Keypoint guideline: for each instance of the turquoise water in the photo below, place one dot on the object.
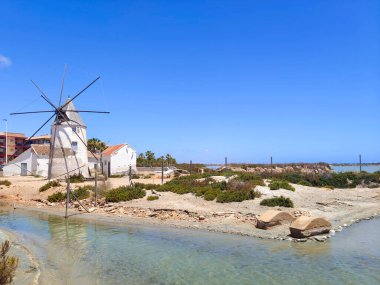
(356, 168)
(78, 252)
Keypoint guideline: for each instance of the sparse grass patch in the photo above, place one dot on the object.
(281, 184)
(152, 198)
(5, 182)
(50, 184)
(124, 193)
(277, 201)
(57, 197)
(116, 175)
(8, 264)
(147, 186)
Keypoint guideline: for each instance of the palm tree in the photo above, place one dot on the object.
(95, 144)
(149, 155)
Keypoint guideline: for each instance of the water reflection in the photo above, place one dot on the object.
(75, 252)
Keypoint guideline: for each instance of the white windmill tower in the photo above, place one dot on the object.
(69, 137)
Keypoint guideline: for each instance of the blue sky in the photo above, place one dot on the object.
(298, 80)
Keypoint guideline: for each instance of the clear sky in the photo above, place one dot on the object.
(298, 80)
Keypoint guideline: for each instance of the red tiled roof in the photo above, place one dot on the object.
(110, 150)
(16, 135)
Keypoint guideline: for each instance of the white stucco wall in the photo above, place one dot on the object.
(13, 168)
(121, 160)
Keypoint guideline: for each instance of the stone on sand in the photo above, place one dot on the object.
(309, 226)
(272, 218)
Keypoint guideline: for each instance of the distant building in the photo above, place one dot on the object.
(118, 159)
(43, 139)
(14, 146)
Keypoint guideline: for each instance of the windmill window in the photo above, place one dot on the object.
(74, 129)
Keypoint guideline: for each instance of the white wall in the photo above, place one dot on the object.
(121, 160)
(13, 168)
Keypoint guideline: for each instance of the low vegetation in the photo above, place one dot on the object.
(125, 193)
(8, 264)
(49, 185)
(5, 183)
(76, 178)
(57, 197)
(277, 201)
(152, 198)
(281, 184)
(117, 176)
(82, 192)
(241, 187)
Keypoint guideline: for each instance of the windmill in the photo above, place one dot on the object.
(66, 155)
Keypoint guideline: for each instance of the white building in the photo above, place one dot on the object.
(118, 159)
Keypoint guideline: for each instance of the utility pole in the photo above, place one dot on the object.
(271, 165)
(191, 166)
(360, 162)
(6, 140)
(225, 162)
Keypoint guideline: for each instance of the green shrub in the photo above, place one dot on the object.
(277, 201)
(124, 193)
(135, 176)
(82, 192)
(281, 184)
(211, 194)
(147, 186)
(57, 197)
(152, 198)
(49, 185)
(237, 196)
(8, 264)
(116, 175)
(76, 178)
(5, 182)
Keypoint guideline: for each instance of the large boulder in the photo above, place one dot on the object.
(309, 226)
(272, 218)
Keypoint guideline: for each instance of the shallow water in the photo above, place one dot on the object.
(79, 252)
(355, 168)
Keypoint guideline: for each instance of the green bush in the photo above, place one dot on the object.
(124, 193)
(281, 184)
(117, 175)
(57, 197)
(211, 194)
(76, 178)
(5, 182)
(236, 196)
(82, 192)
(147, 186)
(135, 176)
(49, 185)
(152, 198)
(277, 201)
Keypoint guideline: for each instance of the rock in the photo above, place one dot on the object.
(152, 214)
(309, 226)
(272, 218)
(332, 232)
(201, 218)
(301, 240)
(320, 238)
(92, 209)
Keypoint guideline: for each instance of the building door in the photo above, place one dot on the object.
(24, 169)
(109, 168)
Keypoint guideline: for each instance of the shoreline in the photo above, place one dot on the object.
(110, 220)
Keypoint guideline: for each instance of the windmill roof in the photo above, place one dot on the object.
(111, 149)
(73, 115)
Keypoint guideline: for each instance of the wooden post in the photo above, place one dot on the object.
(67, 195)
(225, 162)
(360, 162)
(162, 171)
(191, 165)
(96, 187)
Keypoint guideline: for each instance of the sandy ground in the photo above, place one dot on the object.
(341, 207)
